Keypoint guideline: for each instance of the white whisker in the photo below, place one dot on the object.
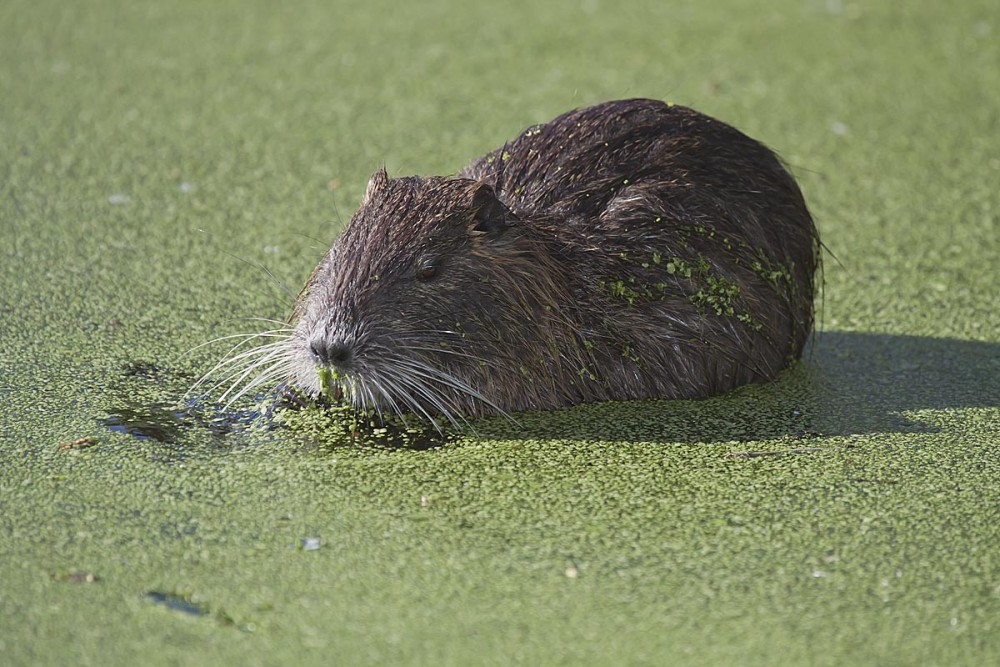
(438, 375)
(235, 364)
(410, 401)
(280, 354)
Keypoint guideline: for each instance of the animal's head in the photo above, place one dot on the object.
(424, 297)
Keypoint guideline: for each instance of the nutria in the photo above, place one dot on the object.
(629, 250)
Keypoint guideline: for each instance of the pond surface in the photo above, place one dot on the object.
(169, 174)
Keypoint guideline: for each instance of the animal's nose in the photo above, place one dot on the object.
(332, 353)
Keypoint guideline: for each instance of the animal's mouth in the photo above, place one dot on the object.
(401, 386)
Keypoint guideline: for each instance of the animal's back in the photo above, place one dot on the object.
(652, 200)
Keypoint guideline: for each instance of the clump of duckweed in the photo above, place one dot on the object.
(343, 426)
(715, 293)
(773, 271)
(625, 290)
(628, 352)
(327, 377)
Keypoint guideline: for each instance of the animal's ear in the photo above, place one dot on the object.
(489, 215)
(375, 183)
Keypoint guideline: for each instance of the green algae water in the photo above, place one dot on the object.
(171, 173)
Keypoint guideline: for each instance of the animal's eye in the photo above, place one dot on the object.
(426, 271)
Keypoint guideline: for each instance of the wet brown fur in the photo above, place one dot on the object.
(627, 250)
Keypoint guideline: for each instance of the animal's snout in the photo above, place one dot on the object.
(336, 353)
